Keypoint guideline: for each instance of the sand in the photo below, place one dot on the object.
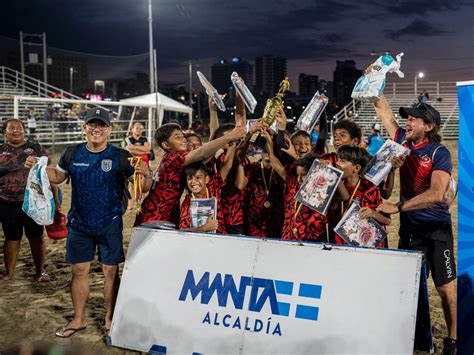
(32, 312)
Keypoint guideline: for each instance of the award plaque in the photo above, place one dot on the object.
(211, 91)
(310, 116)
(244, 92)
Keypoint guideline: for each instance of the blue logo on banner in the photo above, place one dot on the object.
(262, 291)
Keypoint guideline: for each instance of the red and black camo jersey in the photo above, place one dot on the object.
(332, 157)
(307, 225)
(162, 203)
(13, 174)
(261, 221)
(232, 199)
(369, 196)
(214, 187)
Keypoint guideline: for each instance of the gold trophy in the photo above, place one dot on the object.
(272, 106)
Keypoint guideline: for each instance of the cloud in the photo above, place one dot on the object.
(417, 28)
(421, 7)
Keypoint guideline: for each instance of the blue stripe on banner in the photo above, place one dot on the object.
(284, 287)
(306, 312)
(196, 354)
(311, 291)
(283, 309)
(157, 350)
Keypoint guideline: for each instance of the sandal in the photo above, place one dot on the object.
(44, 277)
(60, 332)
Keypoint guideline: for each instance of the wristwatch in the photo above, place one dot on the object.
(400, 205)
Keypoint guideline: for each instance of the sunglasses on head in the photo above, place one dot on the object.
(427, 109)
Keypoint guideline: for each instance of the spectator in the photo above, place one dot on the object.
(31, 121)
(375, 140)
(49, 114)
(423, 97)
(13, 177)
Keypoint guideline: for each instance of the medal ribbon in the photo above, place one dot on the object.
(207, 193)
(350, 200)
(267, 187)
(137, 185)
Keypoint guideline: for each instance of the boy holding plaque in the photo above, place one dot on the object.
(301, 222)
(352, 161)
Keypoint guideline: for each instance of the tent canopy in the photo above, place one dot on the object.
(158, 101)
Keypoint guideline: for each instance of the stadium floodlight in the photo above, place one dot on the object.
(418, 75)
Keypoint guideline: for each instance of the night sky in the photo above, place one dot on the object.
(436, 36)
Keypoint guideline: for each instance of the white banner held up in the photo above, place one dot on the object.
(184, 293)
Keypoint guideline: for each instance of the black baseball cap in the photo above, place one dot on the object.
(97, 114)
(422, 110)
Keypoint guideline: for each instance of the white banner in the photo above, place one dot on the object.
(185, 293)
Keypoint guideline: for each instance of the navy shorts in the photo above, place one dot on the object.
(81, 247)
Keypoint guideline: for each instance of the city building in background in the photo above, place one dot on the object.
(269, 72)
(345, 77)
(307, 84)
(222, 70)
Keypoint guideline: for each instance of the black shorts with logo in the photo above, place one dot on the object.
(435, 240)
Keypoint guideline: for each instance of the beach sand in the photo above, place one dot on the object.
(31, 312)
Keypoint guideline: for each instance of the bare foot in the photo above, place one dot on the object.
(43, 277)
(5, 279)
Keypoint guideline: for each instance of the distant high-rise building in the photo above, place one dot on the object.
(269, 72)
(222, 71)
(326, 88)
(345, 77)
(308, 84)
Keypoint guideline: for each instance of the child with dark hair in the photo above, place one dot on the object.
(201, 185)
(301, 222)
(194, 140)
(232, 197)
(345, 132)
(352, 160)
(302, 142)
(162, 203)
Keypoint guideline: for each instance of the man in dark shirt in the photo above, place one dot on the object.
(425, 221)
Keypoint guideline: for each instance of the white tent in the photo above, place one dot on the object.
(161, 103)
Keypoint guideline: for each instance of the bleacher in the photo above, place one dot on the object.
(443, 97)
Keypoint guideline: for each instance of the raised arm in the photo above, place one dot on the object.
(240, 115)
(228, 162)
(209, 149)
(274, 162)
(213, 120)
(385, 113)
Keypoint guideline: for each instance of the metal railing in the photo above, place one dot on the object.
(32, 85)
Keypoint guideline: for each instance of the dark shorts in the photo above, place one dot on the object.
(237, 229)
(15, 221)
(81, 247)
(436, 243)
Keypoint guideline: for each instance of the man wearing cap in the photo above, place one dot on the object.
(95, 218)
(425, 221)
(375, 140)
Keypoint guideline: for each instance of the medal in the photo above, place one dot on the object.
(267, 203)
(295, 230)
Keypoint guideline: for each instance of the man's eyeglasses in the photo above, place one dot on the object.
(93, 126)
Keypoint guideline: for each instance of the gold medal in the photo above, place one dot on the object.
(267, 204)
(295, 230)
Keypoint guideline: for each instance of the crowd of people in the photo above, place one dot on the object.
(255, 196)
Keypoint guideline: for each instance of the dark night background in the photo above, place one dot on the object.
(436, 36)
